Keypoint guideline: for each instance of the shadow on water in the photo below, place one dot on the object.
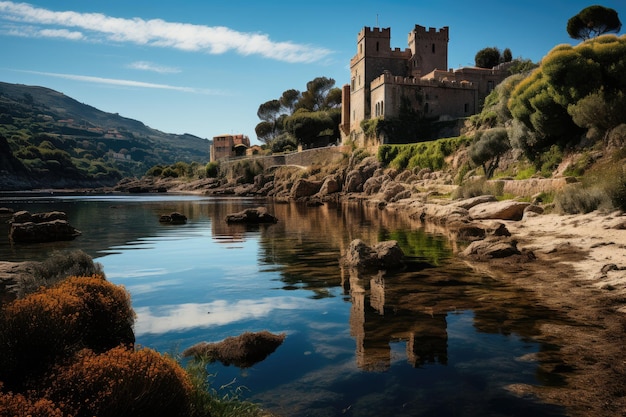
(433, 339)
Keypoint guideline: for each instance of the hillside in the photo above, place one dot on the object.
(55, 140)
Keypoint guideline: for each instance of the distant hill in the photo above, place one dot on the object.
(56, 138)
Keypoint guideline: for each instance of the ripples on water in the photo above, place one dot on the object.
(434, 339)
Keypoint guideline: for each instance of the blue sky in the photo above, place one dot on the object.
(204, 67)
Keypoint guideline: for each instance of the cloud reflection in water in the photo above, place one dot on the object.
(163, 319)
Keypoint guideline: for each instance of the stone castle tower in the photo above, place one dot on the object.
(383, 79)
(428, 50)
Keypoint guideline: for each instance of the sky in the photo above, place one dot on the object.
(204, 67)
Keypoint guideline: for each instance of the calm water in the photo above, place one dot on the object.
(433, 340)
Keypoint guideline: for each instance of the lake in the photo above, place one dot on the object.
(436, 338)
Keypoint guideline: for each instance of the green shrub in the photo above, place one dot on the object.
(477, 187)
(58, 266)
(212, 169)
(575, 199)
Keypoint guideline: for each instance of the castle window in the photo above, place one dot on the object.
(352, 84)
(433, 48)
(360, 48)
(466, 107)
(376, 46)
(382, 106)
(489, 86)
(426, 108)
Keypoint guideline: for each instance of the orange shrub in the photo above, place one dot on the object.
(52, 324)
(16, 405)
(121, 382)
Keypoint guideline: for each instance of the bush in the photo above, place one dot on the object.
(579, 199)
(478, 187)
(16, 405)
(212, 169)
(53, 323)
(121, 382)
(58, 266)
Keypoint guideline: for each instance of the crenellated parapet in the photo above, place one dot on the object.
(452, 82)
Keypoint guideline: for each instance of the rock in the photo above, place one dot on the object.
(439, 214)
(492, 248)
(372, 185)
(330, 186)
(390, 189)
(173, 218)
(5, 211)
(251, 215)
(242, 351)
(503, 210)
(25, 216)
(383, 255)
(474, 201)
(30, 232)
(355, 179)
(305, 188)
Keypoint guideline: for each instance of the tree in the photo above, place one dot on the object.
(314, 98)
(593, 21)
(491, 145)
(507, 55)
(269, 112)
(487, 57)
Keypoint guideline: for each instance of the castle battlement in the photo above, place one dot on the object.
(377, 32)
(421, 30)
(398, 80)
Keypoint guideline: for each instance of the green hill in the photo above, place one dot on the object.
(56, 141)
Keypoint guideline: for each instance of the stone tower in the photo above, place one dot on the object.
(429, 49)
(374, 56)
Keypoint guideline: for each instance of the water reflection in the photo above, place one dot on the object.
(434, 339)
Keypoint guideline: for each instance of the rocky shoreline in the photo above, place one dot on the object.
(573, 264)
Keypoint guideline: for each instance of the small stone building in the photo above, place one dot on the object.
(229, 146)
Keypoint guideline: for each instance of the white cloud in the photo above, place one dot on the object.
(149, 66)
(61, 33)
(160, 33)
(126, 83)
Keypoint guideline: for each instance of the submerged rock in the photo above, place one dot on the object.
(252, 215)
(242, 351)
(173, 218)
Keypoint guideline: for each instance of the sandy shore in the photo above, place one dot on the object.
(579, 270)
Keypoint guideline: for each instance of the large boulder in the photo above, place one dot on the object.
(502, 210)
(41, 227)
(492, 248)
(330, 185)
(305, 188)
(383, 255)
(251, 215)
(30, 232)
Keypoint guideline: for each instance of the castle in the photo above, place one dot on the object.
(384, 79)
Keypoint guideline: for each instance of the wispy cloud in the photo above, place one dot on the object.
(126, 83)
(160, 33)
(150, 66)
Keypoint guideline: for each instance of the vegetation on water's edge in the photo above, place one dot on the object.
(67, 349)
